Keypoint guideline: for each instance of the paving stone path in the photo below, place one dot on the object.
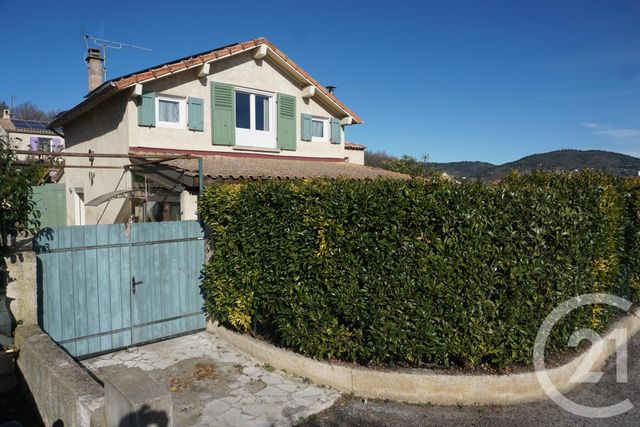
(212, 384)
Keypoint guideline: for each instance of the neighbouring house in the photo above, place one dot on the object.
(30, 135)
(247, 110)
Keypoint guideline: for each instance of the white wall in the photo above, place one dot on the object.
(240, 70)
(103, 130)
(188, 206)
(22, 141)
(355, 156)
(112, 127)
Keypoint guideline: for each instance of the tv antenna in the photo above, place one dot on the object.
(108, 44)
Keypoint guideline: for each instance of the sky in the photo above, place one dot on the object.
(456, 80)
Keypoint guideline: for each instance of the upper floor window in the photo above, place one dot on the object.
(254, 118)
(170, 111)
(253, 111)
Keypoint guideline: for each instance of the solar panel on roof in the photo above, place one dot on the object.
(29, 124)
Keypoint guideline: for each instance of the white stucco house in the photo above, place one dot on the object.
(29, 135)
(246, 110)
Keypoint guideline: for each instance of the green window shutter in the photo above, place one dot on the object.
(195, 111)
(335, 131)
(147, 109)
(305, 127)
(286, 122)
(223, 117)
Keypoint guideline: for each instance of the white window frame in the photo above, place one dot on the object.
(252, 137)
(325, 129)
(44, 144)
(182, 111)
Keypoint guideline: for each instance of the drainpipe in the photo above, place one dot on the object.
(200, 173)
(200, 183)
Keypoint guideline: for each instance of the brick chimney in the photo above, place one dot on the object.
(94, 66)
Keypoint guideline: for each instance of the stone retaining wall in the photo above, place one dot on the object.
(21, 287)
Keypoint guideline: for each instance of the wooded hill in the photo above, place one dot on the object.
(560, 160)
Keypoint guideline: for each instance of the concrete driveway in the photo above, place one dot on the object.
(353, 411)
(211, 384)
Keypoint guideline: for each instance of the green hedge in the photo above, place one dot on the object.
(418, 272)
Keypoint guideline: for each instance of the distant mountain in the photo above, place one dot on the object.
(561, 160)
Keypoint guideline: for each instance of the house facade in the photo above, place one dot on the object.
(239, 102)
(29, 135)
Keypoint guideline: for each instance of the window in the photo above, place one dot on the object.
(254, 118)
(243, 110)
(319, 129)
(170, 111)
(262, 112)
(252, 111)
(44, 144)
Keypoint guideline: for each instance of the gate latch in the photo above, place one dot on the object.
(134, 284)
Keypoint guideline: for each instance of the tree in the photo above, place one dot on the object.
(30, 111)
(376, 158)
(17, 209)
(406, 164)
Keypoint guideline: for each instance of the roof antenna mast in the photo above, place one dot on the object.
(108, 44)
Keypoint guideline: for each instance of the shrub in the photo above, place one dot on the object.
(417, 272)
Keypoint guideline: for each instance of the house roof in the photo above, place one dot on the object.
(25, 126)
(115, 85)
(351, 146)
(238, 168)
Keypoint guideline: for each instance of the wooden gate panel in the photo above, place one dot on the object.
(166, 263)
(84, 276)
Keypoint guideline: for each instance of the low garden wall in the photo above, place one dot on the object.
(422, 272)
(61, 389)
(21, 287)
(429, 387)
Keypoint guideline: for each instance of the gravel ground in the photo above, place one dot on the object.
(354, 411)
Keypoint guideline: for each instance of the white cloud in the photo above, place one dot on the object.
(618, 133)
(591, 125)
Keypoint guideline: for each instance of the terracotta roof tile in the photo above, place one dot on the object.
(224, 167)
(223, 52)
(351, 146)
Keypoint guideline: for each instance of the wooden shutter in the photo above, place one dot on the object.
(286, 122)
(223, 117)
(305, 127)
(147, 109)
(195, 107)
(335, 131)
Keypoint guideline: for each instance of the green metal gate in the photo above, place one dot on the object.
(102, 288)
(51, 203)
